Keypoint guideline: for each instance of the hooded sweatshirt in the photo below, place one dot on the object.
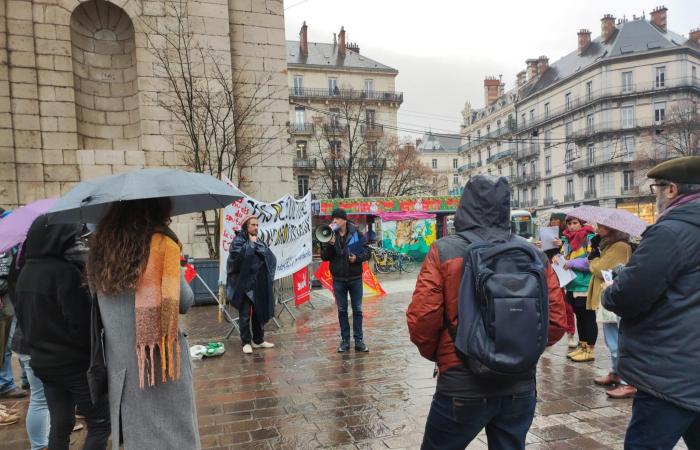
(54, 302)
(484, 209)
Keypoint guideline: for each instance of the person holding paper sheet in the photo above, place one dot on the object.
(613, 250)
(346, 251)
(576, 245)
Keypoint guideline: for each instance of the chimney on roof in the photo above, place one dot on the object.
(353, 46)
(542, 65)
(492, 86)
(341, 42)
(658, 17)
(607, 27)
(694, 36)
(584, 39)
(303, 40)
(521, 78)
(531, 68)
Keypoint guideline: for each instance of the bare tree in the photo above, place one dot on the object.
(216, 106)
(406, 173)
(340, 144)
(680, 133)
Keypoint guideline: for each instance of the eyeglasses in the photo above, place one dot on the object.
(653, 187)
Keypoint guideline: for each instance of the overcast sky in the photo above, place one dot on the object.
(444, 48)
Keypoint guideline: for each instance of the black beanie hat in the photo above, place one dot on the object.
(339, 213)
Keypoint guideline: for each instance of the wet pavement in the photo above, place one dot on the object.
(304, 395)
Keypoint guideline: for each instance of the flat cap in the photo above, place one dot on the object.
(678, 170)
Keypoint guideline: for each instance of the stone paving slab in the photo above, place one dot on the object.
(303, 395)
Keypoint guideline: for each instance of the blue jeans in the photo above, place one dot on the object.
(341, 289)
(38, 412)
(7, 379)
(658, 425)
(454, 422)
(611, 331)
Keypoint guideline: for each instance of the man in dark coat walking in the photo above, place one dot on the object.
(251, 269)
(346, 251)
(657, 296)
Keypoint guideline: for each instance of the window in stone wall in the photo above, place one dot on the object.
(302, 185)
(659, 112)
(434, 165)
(659, 77)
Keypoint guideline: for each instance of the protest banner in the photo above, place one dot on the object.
(285, 226)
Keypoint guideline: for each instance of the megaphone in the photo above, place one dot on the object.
(323, 233)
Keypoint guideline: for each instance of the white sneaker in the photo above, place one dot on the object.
(573, 343)
(264, 344)
(247, 349)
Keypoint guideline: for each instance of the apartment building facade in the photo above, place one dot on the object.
(440, 152)
(589, 126)
(342, 115)
(487, 133)
(594, 122)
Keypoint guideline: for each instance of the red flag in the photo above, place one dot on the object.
(190, 272)
(302, 289)
(370, 284)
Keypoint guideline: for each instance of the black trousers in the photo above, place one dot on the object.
(585, 319)
(245, 316)
(63, 394)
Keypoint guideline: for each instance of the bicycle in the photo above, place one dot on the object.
(386, 261)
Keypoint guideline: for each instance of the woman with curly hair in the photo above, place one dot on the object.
(134, 268)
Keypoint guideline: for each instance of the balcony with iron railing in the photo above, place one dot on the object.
(529, 203)
(590, 194)
(345, 94)
(598, 162)
(301, 128)
(374, 163)
(527, 177)
(548, 201)
(590, 133)
(612, 94)
(514, 203)
(335, 163)
(527, 150)
(569, 197)
(333, 128)
(499, 156)
(372, 130)
(490, 137)
(304, 163)
(465, 167)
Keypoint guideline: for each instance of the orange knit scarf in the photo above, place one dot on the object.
(157, 309)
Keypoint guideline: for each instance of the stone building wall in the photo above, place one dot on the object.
(79, 91)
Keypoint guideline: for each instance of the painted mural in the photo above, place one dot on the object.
(412, 237)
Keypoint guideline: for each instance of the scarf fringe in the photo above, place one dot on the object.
(169, 352)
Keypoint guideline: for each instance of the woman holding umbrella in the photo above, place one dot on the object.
(614, 250)
(134, 267)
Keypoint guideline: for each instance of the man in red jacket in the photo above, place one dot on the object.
(463, 403)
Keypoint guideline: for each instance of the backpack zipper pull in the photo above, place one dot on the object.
(435, 371)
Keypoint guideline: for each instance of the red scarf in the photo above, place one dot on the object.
(576, 238)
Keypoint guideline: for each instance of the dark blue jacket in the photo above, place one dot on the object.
(658, 298)
(341, 267)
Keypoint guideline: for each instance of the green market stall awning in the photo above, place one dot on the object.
(374, 206)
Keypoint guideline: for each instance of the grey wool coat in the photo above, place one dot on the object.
(155, 418)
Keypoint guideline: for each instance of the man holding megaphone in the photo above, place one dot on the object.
(346, 250)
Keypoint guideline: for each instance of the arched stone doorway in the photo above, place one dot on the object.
(105, 77)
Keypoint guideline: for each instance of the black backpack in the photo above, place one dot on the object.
(503, 308)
